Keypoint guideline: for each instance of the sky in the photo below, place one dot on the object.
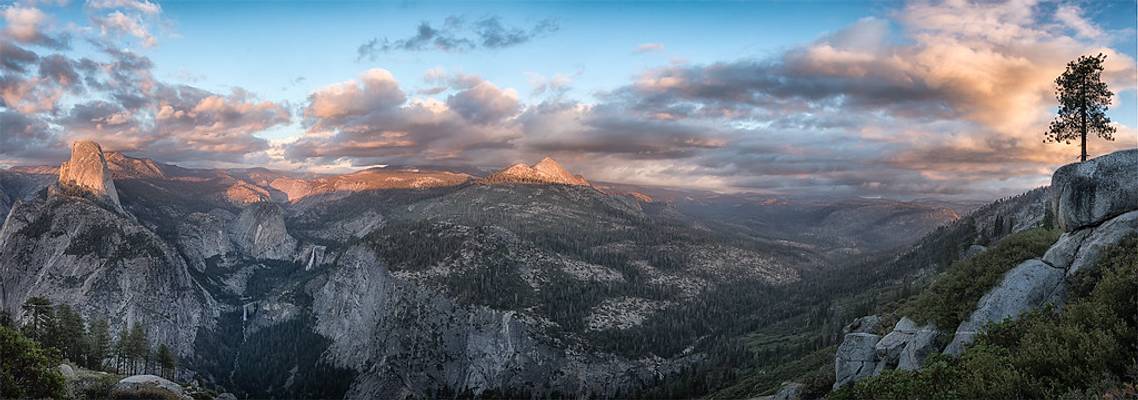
(943, 99)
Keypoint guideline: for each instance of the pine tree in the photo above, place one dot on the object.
(120, 350)
(98, 343)
(1083, 100)
(40, 319)
(166, 361)
(69, 333)
(137, 348)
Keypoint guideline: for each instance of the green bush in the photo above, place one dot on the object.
(954, 294)
(26, 369)
(1085, 351)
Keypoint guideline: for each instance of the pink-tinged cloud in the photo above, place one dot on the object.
(28, 25)
(117, 22)
(370, 120)
(142, 6)
(649, 48)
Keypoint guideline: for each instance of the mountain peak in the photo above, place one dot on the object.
(87, 170)
(546, 171)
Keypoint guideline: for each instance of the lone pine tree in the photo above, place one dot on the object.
(1083, 100)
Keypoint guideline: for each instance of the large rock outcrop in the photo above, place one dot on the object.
(87, 171)
(863, 354)
(1026, 287)
(1096, 204)
(260, 232)
(105, 265)
(1088, 193)
(856, 358)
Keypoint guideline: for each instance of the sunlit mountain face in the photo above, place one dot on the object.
(722, 200)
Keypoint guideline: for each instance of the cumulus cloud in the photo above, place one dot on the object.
(394, 128)
(125, 108)
(484, 103)
(28, 25)
(960, 101)
(457, 35)
(118, 22)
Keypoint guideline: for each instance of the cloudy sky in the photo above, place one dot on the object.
(895, 99)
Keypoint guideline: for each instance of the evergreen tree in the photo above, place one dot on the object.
(40, 319)
(1083, 100)
(98, 343)
(166, 362)
(120, 350)
(137, 349)
(69, 332)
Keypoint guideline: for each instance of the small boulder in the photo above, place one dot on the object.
(148, 387)
(973, 250)
(67, 372)
(1028, 286)
(1063, 252)
(856, 358)
(920, 346)
(788, 391)
(889, 348)
(225, 396)
(1086, 194)
(1101, 238)
(866, 324)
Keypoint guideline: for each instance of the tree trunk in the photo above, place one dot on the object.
(1083, 124)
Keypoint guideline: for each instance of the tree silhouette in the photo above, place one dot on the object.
(1083, 100)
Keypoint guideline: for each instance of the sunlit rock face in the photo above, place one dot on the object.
(87, 170)
(546, 171)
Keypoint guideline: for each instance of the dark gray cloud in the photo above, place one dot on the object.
(484, 103)
(61, 70)
(457, 35)
(15, 58)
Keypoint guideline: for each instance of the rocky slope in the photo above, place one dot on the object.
(1096, 206)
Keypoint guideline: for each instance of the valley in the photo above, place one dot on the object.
(403, 283)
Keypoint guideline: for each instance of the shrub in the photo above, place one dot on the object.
(954, 294)
(26, 369)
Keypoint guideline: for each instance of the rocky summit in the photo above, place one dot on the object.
(87, 171)
(546, 171)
